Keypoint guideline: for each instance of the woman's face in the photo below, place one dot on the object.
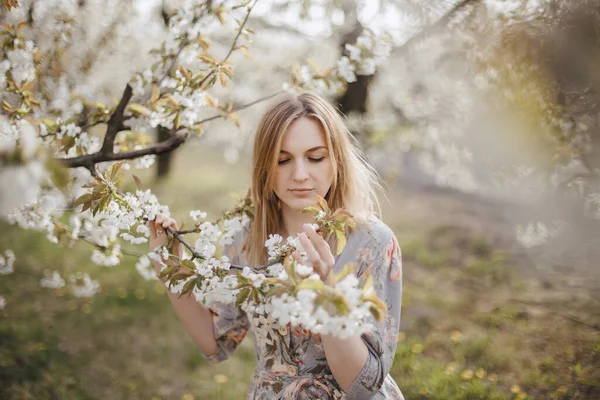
(304, 168)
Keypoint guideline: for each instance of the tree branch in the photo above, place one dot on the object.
(89, 160)
(115, 123)
(195, 254)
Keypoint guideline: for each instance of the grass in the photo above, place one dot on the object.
(463, 335)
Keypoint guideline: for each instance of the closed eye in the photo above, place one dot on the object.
(314, 160)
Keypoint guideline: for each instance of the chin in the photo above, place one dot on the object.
(301, 204)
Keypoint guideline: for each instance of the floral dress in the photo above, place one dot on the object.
(290, 361)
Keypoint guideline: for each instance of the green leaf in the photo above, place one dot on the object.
(323, 203)
(86, 206)
(115, 168)
(311, 284)
(85, 198)
(189, 263)
(177, 120)
(242, 296)
(274, 291)
(240, 277)
(376, 312)
(312, 209)
(139, 109)
(341, 305)
(165, 272)
(138, 183)
(189, 285)
(341, 241)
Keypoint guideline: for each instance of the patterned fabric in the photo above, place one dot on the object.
(290, 361)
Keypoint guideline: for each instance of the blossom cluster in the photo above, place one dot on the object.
(364, 56)
(282, 291)
(361, 58)
(313, 304)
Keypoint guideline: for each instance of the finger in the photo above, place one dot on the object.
(319, 244)
(296, 256)
(311, 252)
(152, 229)
(170, 222)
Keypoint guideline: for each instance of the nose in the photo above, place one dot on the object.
(300, 173)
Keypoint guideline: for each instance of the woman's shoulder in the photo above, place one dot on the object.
(374, 228)
(371, 232)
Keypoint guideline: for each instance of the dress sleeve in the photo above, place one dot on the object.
(381, 342)
(230, 322)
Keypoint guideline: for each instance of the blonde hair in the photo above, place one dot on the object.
(354, 183)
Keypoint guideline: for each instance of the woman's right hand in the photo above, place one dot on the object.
(158, 234)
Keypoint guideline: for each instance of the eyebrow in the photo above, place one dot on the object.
(307, 151)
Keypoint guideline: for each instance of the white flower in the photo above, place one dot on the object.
(304, 270)
(367, 67)
(205, 248)
(21, 61)
(197, 215)
(258, 280)
(275, 269)
(233, 226)
(346, 69)
(154, 256)
(145, 268)
(106, 258)
(354, 51)
(532, 235)
(83, 285)
(52, 281)
(246, 271)
(209, 231)
(2, 302)
(143, 229)
(133, 239)
(144, 162)
(6, 262)
(364, 41)
(273, 240)
(25, 182)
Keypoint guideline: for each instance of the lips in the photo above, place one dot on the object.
(302, 193)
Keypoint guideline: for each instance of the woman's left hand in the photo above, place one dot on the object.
(318, 252)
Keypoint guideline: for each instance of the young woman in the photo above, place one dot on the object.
(303, 149)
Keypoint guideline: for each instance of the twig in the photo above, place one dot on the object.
(232, 48)
(239, 32)
(195, 254)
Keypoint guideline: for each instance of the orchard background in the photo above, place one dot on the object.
(482, 118)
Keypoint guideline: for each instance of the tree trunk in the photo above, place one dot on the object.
(163, 165)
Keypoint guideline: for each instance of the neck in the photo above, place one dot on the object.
(292, 221)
